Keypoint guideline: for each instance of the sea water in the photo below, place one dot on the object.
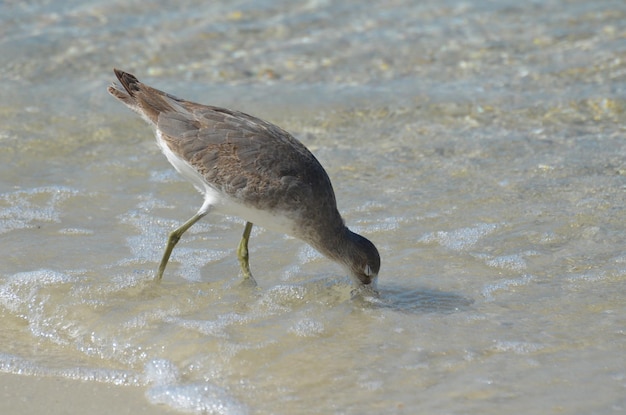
(480, 145)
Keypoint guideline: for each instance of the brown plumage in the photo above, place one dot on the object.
(251, 168)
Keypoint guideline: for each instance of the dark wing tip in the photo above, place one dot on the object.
(130, 83)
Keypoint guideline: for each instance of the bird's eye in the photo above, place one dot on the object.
(368, 271)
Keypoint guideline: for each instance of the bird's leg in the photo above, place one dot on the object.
(242, 252)
(173, 239)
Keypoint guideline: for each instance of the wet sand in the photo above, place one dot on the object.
(52, 395)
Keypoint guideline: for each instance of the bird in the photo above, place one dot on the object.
(250, 168)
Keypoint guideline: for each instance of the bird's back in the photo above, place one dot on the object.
(242, 157)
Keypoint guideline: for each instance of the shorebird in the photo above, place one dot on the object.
(250, 168)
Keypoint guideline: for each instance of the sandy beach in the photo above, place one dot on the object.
(52, 395)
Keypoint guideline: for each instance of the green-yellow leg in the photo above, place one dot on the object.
(242, 252)
(173, 239)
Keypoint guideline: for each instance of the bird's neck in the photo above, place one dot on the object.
(339, 244)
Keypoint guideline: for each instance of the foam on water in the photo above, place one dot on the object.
(460, 239)
(514, 262)
(166, 388)
(20, 366)
(215, 328)
(518, 347)
(505, 285)
(161, 372)
(202, 398)
(69, 320)
(22, 209)
(308, 327)
(160, 375)
(76, 231)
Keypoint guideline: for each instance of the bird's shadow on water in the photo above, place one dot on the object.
(414, 300)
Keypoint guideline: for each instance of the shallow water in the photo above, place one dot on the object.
(478, 144)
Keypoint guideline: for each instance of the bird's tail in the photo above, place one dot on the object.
(141, 98)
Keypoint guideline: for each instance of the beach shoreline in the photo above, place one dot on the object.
(22, 394)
